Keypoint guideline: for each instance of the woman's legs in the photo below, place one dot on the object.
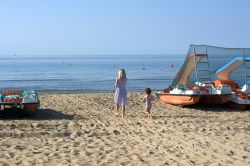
(123, 110)
(117, 109)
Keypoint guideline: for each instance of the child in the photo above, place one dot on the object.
(120, 97)
(148, 99)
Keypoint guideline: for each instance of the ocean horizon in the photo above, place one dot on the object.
(88, 73)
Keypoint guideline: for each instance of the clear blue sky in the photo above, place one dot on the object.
(83, 27)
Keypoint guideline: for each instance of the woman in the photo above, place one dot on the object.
(120, 98)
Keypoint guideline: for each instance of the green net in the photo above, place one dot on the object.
(203, 62)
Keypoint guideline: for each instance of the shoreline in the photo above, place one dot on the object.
(80, 91)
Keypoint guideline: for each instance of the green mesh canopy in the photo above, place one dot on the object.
(208, 63)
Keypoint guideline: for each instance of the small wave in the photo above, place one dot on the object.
(41, 80)
(151, 79)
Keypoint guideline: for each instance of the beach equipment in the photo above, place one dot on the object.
(26, 100)
(240, 97)
(201, 78)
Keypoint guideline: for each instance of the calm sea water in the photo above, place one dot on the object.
(87, 73)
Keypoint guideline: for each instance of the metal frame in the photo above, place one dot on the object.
(197, 70)
(246, 74)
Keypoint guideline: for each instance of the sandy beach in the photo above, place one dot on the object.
(82, 129)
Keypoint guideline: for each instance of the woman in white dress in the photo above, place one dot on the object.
(120, 97)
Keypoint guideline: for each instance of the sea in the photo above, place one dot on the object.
(95, 73)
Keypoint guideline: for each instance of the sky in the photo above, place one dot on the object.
(120, 27)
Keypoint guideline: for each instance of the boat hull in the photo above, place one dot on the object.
(214, 99)
(239, 100)
(236, 106)
(27, 100)
(31, 107)
(180, 100)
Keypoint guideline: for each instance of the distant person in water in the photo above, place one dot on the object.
(120, 97)
(148, 99)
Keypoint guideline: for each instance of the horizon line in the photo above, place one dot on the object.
(79, 55)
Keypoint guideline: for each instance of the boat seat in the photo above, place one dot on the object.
(246, 88)
(242, 95)
(166, 90)
(182, 87)
(202, 89)
(11, 92)
(234, 86)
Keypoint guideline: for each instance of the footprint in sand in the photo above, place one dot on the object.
(20, 147)
(116, 132)
(88, 153)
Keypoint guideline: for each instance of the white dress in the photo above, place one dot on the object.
(121, 92)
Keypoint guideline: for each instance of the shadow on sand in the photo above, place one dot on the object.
(215, 108)
(40, 114)
(203, 108)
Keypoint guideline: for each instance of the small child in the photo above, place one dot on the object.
(148, 99)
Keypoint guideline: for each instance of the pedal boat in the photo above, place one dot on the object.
(26, 100)
(240, 97)
(194, 82)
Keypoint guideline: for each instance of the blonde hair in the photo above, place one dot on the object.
(121, 74)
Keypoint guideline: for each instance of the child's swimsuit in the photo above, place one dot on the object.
(148, 103)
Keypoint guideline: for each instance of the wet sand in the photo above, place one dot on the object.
(82, 129)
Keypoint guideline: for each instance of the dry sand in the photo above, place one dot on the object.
(81, 129)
